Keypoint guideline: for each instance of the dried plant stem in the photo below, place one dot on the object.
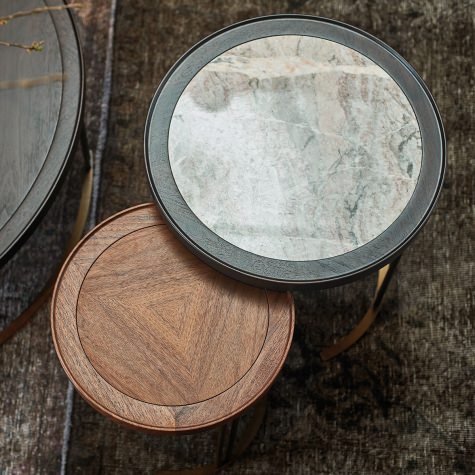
(4, 20)
(35, 46)
(27, 83)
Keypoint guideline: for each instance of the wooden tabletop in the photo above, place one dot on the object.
(154, 338)
(40, 107)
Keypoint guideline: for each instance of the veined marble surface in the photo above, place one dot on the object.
(295, 148)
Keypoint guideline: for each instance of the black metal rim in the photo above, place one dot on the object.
(64, 144)
(274, 273)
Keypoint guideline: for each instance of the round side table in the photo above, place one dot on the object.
(41, 99)
(157, 340)
(41, 103)
(290, 150)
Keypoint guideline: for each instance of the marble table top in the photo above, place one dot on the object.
(295, 148)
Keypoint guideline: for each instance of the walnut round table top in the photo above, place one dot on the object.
(158, 340)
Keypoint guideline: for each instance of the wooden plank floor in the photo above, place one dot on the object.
(401, 401)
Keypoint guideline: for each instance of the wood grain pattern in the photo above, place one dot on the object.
(154, 338)
(147, 309)
(38, 125)
(32, 112)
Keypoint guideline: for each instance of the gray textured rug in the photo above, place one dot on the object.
(401, 401)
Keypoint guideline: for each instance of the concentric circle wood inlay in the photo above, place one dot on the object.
(164, 328)
(156, 339)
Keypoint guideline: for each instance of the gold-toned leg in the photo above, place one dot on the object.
(384, 277)
(86, 151)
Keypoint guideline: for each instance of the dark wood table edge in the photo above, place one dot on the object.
(340, 269)
(78, 135)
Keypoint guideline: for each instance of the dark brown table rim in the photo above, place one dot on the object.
(42, 120)
(276, 273)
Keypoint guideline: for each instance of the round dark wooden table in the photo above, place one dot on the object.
(41, 98)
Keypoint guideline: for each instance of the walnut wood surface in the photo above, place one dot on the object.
(162, 327)
(156, 339)
(38, 124)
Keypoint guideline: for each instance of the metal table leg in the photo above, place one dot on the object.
(385, 275)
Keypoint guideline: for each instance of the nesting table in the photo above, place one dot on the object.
(39, 121)
(41, 102)
(156, 339)
(282, 152)
(291, 151)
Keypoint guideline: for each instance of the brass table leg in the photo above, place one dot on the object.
(384, 278)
